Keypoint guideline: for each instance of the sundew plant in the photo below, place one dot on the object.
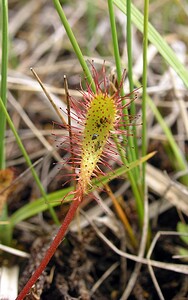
(99, 117)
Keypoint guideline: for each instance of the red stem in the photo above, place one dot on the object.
(55, 243)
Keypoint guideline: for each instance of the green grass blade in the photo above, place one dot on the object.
(3, 88)
(28, 161)
(115, 40)
(73, 41)
(130, 72)
(5, 230)
(55, 199)
(121, 171)
(155, 38)
(132, 142)
(129, 53)
(131, 153)
(183, 228)
(39, 205)
(144, 84)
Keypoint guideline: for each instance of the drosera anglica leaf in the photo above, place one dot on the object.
(102, 111)
(98, 115)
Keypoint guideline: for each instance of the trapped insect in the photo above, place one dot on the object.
(94, 136)
(97, 145)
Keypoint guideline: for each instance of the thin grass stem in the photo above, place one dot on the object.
(67, 96)
(134, 175)
(5, 230)
(4, 66)
(73, 41)
(144, 84)
(49, 97)
(28, 161)
(131, 153)
(129, 53)
(115, 41)
(134, 185)
(130, 71)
